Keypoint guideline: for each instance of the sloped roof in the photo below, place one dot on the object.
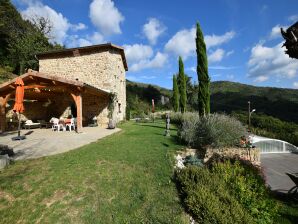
(87, 49)
(7, 86)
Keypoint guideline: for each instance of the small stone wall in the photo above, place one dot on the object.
(250, 154)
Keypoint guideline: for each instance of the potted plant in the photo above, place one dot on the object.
(111, 107)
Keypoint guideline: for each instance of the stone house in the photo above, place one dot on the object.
(77, 81)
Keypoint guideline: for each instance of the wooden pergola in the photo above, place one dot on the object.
(40, 87)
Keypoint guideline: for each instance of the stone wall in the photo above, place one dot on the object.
(250, 154)
(101, 69)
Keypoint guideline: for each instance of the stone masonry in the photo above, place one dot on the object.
(102, 68)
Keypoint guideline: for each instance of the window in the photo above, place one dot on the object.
(119, 107)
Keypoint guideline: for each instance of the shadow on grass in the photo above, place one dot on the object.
(289, 210)
(154, 126)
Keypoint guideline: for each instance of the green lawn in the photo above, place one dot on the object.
(123, 178)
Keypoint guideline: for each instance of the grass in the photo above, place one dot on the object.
(123, 178)
(288, 210)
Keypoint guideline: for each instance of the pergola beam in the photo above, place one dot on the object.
(77, 97)
(3, 101)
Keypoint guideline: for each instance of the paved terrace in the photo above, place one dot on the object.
(275, 166)
(45, 142)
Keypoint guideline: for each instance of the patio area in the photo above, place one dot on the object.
(45, 142)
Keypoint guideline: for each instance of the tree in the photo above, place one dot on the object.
(182, 86)
(175, 94)
(202, 71)
(21, 39)
(291, 37)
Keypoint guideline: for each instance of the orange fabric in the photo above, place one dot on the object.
(18, 106)
(67, 121)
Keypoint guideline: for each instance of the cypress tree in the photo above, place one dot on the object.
(182, 86)
(202, 71)
(175, 94)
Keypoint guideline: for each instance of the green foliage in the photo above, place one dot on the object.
(111, 106)
(228, 193)
(280, 103)
(202, 72)
(193, 161)
(122, 178)
(178, 118)
(207, 198)
(22, 39)
(214, 130)
(139, 98)
(248, 186)
(187, 131)
(6, 74)
(175, 94)
(181, 80)
(270, 127)
(127, 113)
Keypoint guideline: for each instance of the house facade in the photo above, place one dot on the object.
(77, 82)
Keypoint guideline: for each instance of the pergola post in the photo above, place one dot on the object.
(3, 101)
(78, 101)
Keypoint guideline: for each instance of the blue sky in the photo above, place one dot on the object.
(242, 37)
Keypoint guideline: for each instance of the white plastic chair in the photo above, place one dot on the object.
(56, 125)
(71, 125)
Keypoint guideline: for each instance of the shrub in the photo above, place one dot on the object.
(215, 130)
(193, 160)
(187, 130)
(207, 199)
(248, 186)
(178, 118)
(228, 192)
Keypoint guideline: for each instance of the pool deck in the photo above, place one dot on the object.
(45, 142)
(275, 165)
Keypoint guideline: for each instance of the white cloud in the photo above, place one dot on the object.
(193, 69)
(215, 40)
(295, 84)
(60, 24)
(158, 61)
(96, 38)
(137, 52)
(216, 56)
(230, 53)
(261, 78)
(148, 77)
(140, 78)
(153, 29)
(76, 41)
(271, 61)
(79, 26)
(105, 16)
(275, 31)
(183, 42)
(293, 18)
(132, 78)
(230, 76)
(222, 67)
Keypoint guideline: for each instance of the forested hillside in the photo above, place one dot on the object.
(20, 39)
(277, 102)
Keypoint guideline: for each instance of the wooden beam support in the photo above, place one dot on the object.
(77, 97)
(11, 86)
(3, 101)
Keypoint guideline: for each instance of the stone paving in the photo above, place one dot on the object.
(275, 166)
(45, 142)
